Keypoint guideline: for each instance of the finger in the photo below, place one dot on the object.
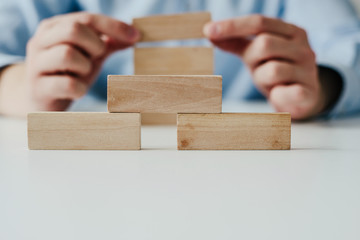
(233, 45)
(113, 45)
(266, 47)
(296, 99)
(63, 58)
(61, 87)
(114, 28)
(248, 26)
(273, 73)
(74, 33)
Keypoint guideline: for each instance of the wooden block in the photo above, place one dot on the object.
(158, 118)
(83, 131)
(165, 94)
(234, 131)
(172, 27)
(174, 61)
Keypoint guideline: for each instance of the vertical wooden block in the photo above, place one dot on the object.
(174, 61)
(158, 119)
(83, 131)
(165, 94)
(234, 131)
(172, 27)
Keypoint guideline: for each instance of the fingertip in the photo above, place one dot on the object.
(206, 30)
(212, 30)
(133, 34)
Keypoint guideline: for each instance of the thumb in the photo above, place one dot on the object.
(113, 45)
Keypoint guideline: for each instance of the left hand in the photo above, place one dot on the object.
(280, 59)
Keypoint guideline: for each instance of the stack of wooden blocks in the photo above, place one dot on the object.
(177, 80)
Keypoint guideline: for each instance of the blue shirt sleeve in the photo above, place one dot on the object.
(18, 22)
(14, 34)
(334, 32)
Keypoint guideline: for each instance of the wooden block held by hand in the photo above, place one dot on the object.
(165, 94)
(234, 131)
(83, 131)
(174, 61)
(172, 27)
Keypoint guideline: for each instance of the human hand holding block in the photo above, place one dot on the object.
(281, 61)
(66, 54)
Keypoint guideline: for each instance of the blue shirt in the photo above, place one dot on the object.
(333, 28)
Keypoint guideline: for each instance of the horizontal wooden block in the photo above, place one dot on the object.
(234, 131)
(174, 61)
(172, 27)
(83, 131)
(165, 94)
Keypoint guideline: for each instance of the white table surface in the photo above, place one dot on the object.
(309, 192)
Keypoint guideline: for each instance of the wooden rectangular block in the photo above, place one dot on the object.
(83, 131)
(158, 119)
(174, 61)
(234, 131)
(165, 94)
(172, 27)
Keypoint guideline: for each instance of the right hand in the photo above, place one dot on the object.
(66, 54)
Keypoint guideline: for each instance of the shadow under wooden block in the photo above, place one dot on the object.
(84, 131)
(174, 61)
(234, 131)
(165, 94)
(172, 27)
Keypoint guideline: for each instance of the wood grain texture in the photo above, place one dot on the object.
(172, 27)
(174, 61)
(234, 131)
(158, 119)
(165, 94)
(83, 131)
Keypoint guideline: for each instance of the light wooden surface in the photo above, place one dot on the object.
(172, 27)
(174, 61)
(165, 94)
(83, 131)
(311, 192)
(234, 131)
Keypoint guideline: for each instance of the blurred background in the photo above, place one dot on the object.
(357, 3)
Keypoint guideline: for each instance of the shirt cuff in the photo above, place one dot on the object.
(349, 100)
(7, 59)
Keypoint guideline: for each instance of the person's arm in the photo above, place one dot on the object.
(12, 90)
